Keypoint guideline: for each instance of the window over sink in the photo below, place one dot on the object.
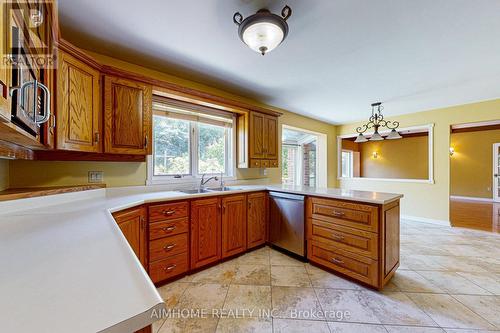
(189, 141)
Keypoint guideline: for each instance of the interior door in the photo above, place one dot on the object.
(496, 172)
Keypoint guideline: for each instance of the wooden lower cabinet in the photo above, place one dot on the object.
(132, 223)
(205, 232)
(358, 240)
(256, 219)
(234, 225)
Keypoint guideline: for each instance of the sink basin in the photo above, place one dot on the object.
(194, 191)
(222, 189)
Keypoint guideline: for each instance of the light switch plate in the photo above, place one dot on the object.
(96, 176)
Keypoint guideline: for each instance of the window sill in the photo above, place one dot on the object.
(182, 181)
(400, 180)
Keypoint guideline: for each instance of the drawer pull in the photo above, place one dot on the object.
(336, 213)
(338, 237)
(169, 247)
(169, 268)
(337, 261)
(169, 212)
(169, 229)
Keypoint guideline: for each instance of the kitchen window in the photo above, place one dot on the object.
(189, 141)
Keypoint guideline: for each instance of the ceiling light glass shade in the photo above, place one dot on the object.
(394, 135)
(376, 137)
(263, 31)
(263, 37)
(361, 138)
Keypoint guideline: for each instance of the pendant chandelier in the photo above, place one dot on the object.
(377, 121)
(263, 31)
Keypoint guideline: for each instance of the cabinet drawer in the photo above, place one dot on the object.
(349, 239)
(273, 163)
(168, 211)
(255, 163)
(167, 268)
(349, 214)
(168, 228)
(264, 164)
(168, 246)
(358, 267)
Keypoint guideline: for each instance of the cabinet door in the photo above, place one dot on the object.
(78, 107)
(257, 219)
(4, 70)
(257, 123)
(132, 223)
(271, 137)
(234, 222)
(127, 117)
(205, 232)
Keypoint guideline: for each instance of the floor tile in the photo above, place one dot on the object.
(487, 307)
(280, 259)
(253, 274)
(291, 276)
(189, 325)
(352, 302)
(413, 282)
(203, 296)
(488, 281)
(339, 327)
(323, 279)
(452, 282)
(299, 326)
(172, 292)
(448, 312)
(252, 300)
(245, 325)
(413, 329)
(296, 303)
(222, 274)
(256, 257)
(457, 264)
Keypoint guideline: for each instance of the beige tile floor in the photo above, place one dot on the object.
(448, 281)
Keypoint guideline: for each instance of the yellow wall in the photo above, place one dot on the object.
(472, 163)
(406, 158)
(27, 173)
(4, 174)
(422, 199)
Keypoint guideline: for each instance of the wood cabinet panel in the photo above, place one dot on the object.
(271, 137)
(391, 239)
(78, 106)
(127, 110)
(256, 219)
(166, 247)
(205, 232)
(169, 267)
(234, 225)
(168, 211)
(257, 135)
(168, 228)
(4, 70)
(132, 223)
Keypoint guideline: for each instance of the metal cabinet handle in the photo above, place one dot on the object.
(169, 229)
(169, 212)
(169, 247)
(336, 213)
(169, 268)
(96, 137)
(337, 236)
(337, 261)
(146, 141)
(37, 119)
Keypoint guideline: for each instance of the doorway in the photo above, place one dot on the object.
(303, 156)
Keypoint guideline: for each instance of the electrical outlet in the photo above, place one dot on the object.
(96, 176)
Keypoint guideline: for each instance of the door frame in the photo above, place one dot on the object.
(496, 180)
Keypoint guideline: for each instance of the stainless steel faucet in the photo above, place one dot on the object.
(204, 181)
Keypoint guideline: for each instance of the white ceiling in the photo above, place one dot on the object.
(339, 57)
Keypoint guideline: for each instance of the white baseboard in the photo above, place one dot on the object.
(426, 220)
(458, 197)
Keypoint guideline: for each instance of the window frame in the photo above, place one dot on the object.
(194, 176)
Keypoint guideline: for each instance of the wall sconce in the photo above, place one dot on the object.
(452, 151)
(375, 154)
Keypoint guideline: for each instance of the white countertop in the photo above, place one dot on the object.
(66, 267)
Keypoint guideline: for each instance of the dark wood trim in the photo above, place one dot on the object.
(405, 136)
(32, 192)
(9, 150)
(475, 129)
(64, 155)
(78, 53)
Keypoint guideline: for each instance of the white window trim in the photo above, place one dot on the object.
(193, 179)
(351, 162)
(429, 180)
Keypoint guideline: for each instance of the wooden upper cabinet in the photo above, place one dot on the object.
(205, 232)
(132, 223)
(261, 141)
(4, 71)
(257, 219)
(234, 225)
(78, 106)
(127, 116)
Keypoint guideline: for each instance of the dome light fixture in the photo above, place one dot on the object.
(376, 121)
(263, 31)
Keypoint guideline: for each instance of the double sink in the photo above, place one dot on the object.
(210, 190)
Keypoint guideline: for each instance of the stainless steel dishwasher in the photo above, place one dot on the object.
(286, 222)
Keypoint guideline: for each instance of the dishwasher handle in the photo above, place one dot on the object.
(287, 196)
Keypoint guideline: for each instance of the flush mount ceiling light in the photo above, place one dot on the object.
(263, 31)
(376, 121)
